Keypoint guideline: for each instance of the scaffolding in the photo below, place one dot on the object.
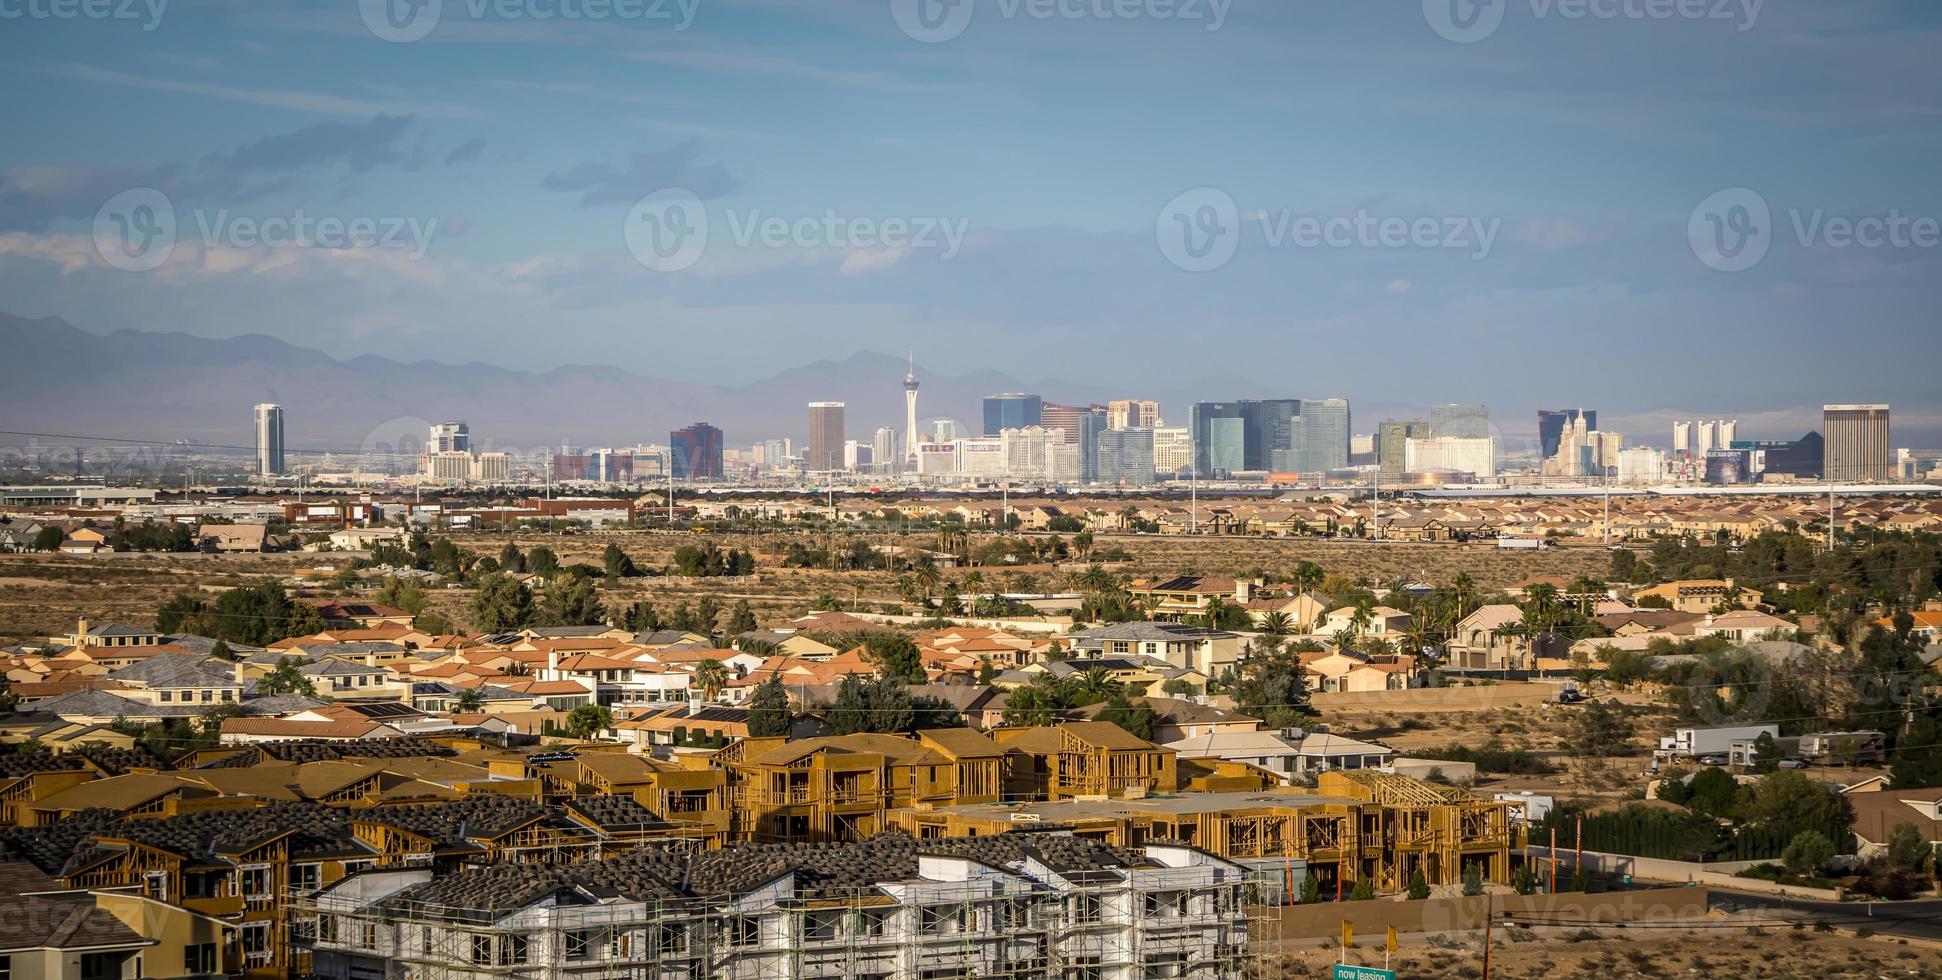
(1198, 922)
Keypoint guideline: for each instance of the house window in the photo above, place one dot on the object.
(256, 882)
(1166, 904)
(872, 921)
(369, 939)
(822, 926)
(940, 920)
(514, 951)
(744, 930)
(199, 958)
(168, 696)
(1086, 908)
(581, 944)
(481, 950)
(305, 877)
(101, 966)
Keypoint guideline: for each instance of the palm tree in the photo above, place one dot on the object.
(1363, 615)
(1096, 685)
(928, 577)
(1465, 589)
(1276, 624)
(1308, 576)
(1095, 578)
(711, 676)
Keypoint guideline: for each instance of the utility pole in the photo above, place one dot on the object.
(1830, 515)
(1375, 516)
(1193, 481)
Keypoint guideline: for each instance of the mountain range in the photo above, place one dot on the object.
(139, 385)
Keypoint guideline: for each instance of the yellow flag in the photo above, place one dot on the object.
(1392, 939)
(1348, 933)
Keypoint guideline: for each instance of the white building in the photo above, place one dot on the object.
(1172, 450)
(1641, 464)
(889, 908)
(1475, 456)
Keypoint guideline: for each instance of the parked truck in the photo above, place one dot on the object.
(1844, 748)
(1710, 745)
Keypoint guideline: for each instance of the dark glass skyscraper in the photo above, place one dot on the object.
(696, 452)
(1011, 410)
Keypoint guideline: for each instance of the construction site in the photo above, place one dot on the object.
(1018, 906)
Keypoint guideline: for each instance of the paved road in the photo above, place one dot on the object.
(1916, 920)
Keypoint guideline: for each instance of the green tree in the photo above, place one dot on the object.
(1523, 880)
(616, 563)
(588, 720)
(1786, 803)
(1419, 886)
(511, 559)
(1713, 792)
(1602, 729)
(741, 619)
(1138, 720)
(221, 651)
(895, 655)
(768, 709)
(401, 593)
(1311, 889)
(1807, 853)
(502, 604)
(542, 562)
(570, 600)
(640, 617)
(871, 704)
(1180, 687)
(1766, 753)
(1364, 890)
(179, 614)
(711, 676)
(1907, 848)
(1472, 880)
(286, 678)
(1581, 879)
(49, 538)
(1029, 707)
(1274, 688)
(468, 701)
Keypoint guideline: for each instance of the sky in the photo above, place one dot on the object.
(1651, 207)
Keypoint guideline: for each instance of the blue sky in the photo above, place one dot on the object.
(1054, 143)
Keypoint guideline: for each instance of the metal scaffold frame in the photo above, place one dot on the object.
(1162, 924)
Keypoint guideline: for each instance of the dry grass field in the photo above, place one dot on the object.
(1730, 951)
(42, 593)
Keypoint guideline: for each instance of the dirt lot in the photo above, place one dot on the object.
(1737, 952)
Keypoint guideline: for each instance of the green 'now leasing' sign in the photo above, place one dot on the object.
(1345, 972)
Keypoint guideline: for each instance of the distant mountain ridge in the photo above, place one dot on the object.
(143, 385)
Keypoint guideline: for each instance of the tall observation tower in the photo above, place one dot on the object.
(910, 415)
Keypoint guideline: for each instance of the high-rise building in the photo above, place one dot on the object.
(944, 430)
(1477, 457)
(1460, 421)
(1321, 441)
(825, 437)
(1270, 425)
(910, 421)
(1011, 410)
(1126, 457)
(857, 456)
(450, 437)
(1641, 464)
(1857, 444)
(1682, 438)
(1133, 413)
(1217, 451)
(1173, 451)
(269, 439)
(1392, 438)
(696, 452)
(1799, 459)
(1081, 427)
(883, 450)
(1551, 424)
